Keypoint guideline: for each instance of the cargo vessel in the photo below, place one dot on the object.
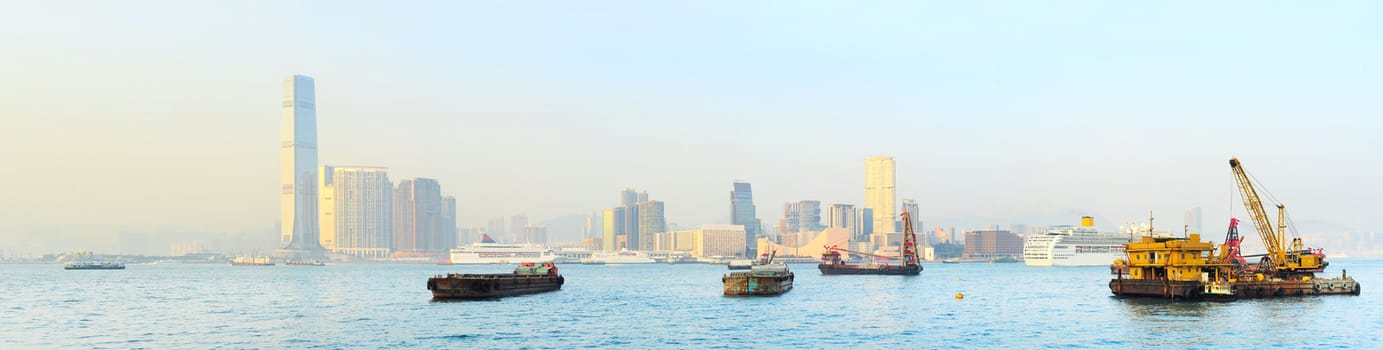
(832, 264)
(305, 263)
(94, 265)
(1191, 269)
(526, 279)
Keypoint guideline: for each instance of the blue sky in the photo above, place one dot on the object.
(162, 116)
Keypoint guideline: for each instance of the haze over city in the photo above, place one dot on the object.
(164, 117)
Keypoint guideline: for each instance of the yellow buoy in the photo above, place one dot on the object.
(960, 296)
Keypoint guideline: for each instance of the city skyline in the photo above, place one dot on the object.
(1037, 119)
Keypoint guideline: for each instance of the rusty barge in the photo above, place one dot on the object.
(765, 277)
(526, 279)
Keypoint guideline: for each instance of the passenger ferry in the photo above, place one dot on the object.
(620, 257)
(500, 253)
(1074, 246)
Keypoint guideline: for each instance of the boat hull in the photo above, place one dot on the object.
(94, 267)
(482, 286)
(847, 269)
(1191, 290)
(747, 283)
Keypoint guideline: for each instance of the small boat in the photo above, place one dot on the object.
(526, 279)
(1218, 291)
(94, 265)
(742, 264)
(251, 261)
(768, 278)
(305, 263)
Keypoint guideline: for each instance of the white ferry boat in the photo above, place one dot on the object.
(1074, 246)
(500, 253)
(621, 257)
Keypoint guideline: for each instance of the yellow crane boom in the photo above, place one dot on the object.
(1283, 258)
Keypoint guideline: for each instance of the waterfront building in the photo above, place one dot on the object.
(987, 244)
(720, 240)
(613, 220)
(405, 237)
(298, 167)
(791, 222)
(743, 213)
(1193, 220)
(880, 190)
(356, 210)
(651, 221)
(448, 238)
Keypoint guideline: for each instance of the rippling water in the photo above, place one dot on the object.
(652, 306)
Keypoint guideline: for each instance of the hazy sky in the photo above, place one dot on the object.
(164, 116)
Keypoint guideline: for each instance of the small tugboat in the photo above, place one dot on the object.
(832, 264)
(94, 265)
(526, 279)
(766, 278)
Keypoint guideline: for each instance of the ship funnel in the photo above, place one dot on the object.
(1087, 221)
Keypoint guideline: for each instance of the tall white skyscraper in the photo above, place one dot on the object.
(879, 191)
(298, 166)
(910, 206)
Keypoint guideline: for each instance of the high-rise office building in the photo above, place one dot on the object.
(419, 222)
(405, 236)
(495, 228)
(879, 191)
(611, 221)
(791, 222)
(842, 216)
(536, 234)
(1193, 220)
(910, 206)
(743, 213)
(517, 224)
(651, 221)
(448, 238)
(809, 215)
(594, 225)
(298, 167)
(630, 196)
(356, 210)
(866, 222)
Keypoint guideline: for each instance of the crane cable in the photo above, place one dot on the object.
(1290, 224)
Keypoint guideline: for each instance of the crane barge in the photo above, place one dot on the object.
(1188, 268)
(832, 264)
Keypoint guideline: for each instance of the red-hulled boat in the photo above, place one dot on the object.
(832, 264)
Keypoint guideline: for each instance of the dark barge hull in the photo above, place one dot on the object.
(744, 283)
(482, 286)
(93, 268)
(847, 269)
(1191, 290)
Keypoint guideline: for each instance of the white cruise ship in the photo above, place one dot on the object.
(621, 257)
(1074, 246)
(500, 253)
